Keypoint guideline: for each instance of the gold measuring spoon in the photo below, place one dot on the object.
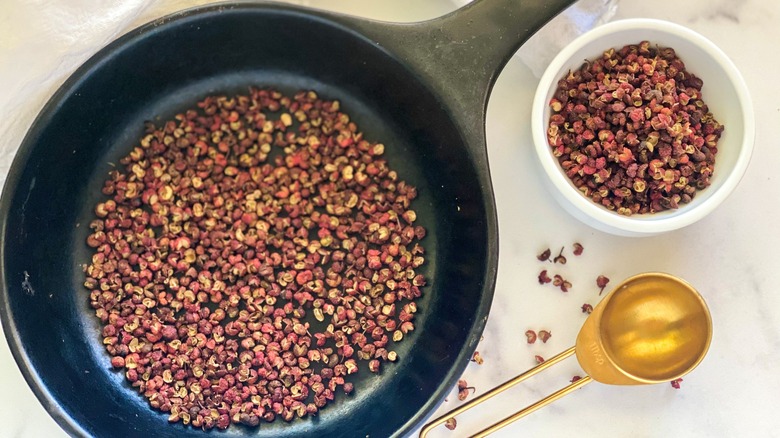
(652, 328)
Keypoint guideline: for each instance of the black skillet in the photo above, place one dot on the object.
(420, 88)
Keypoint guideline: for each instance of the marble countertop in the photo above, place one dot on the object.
(730, 256)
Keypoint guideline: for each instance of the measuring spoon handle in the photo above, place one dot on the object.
(503, 387)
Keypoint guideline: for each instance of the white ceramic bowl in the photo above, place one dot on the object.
(724, 91)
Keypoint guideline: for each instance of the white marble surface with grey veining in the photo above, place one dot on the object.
(731, 256)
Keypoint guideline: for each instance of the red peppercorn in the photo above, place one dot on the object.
(200, 217)
(543, 277)
(451, 423)
(629, 142)
(602, 282)
(587, 308)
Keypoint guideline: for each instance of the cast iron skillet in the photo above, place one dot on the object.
(420, 88)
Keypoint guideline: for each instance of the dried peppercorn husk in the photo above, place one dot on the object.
(632, 131)
(253, 253)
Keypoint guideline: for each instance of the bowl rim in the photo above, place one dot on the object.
(646, 224)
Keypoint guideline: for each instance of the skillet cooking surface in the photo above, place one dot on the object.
(163, 68)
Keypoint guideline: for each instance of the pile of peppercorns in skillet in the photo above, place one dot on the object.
(631, 131)
(253, 254)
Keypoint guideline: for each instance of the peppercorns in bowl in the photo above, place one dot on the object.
(642, 127)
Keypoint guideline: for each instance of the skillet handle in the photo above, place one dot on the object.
(469, 47)
(461, 54)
